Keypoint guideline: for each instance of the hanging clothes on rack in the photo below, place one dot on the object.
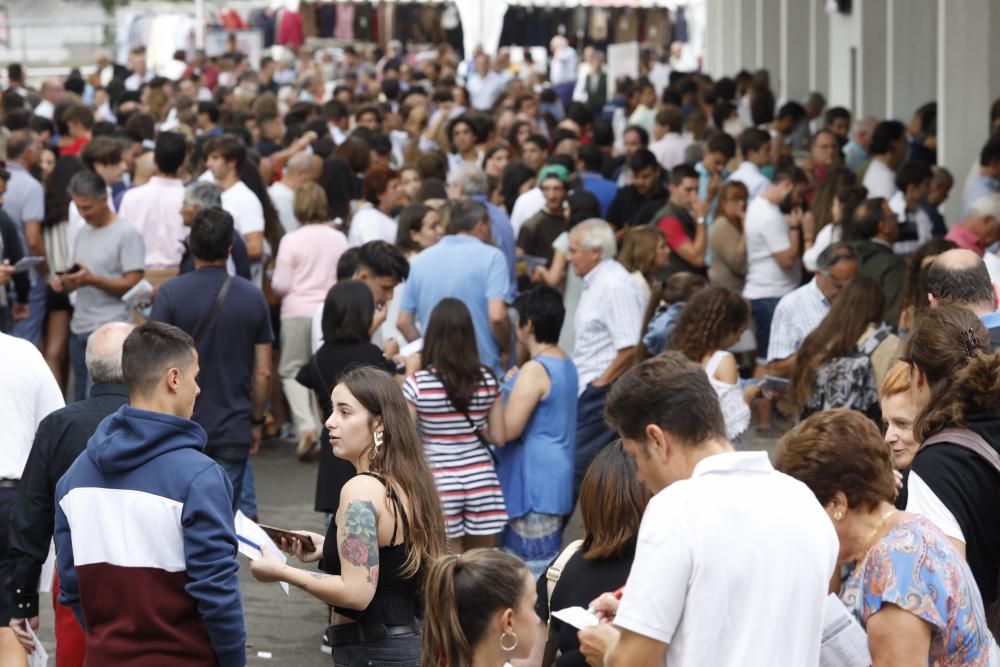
(344, 29)
(326, 17)
(290, 28)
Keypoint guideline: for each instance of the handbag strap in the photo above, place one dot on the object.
(216, 307)
(968, 439)
(552, 576)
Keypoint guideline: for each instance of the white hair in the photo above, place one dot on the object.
(470, 178)
(596, 234)
(987, 206)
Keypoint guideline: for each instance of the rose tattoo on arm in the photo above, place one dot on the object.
(359, 537)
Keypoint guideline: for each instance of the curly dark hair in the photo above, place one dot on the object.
(713, 316)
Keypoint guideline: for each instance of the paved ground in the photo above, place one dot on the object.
(289, 627)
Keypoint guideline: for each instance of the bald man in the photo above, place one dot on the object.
(962, 278)
(60, 438)
(298, 170)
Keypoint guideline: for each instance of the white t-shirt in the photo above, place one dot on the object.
(283, 198)
(732, 567)
(241, 203)
(921, 500)
(767, 234)
(371, 224)
(670, 149)
(880, 181)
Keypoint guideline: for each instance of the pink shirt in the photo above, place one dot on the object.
(964, 238)
(155, 210)
(306, 268)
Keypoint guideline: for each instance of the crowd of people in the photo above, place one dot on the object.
(484, 296)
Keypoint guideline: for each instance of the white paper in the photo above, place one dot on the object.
(140, 296)
(39, 657)
(845, 643)
(252, 538)
(412, 347)
(48, 570)
(27, 262)
(578, 617)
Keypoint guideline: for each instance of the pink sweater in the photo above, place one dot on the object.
(306, 268)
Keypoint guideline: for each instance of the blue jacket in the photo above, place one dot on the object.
(146, 545)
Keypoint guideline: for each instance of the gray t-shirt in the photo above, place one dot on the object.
(110, 251)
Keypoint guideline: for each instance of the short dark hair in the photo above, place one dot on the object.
(101, 150)
(641, 131)
(543, 307)
(563, 134)
(885, 134)
(964, 287)
(867, 217)
(603, 134)
(170, 151)
(227, 145)
(684, 403)
(791, 173)
(537, 139)
(990, 152)
(792, 110)
(721, 142)
(912, 172)
(752, 140)
(348, 312)
(149, 351)
(680, 172)
(79, 113)
(671, 116)
(383, 260)
(347, 265)
(211, 234)
(592, 157)
(335, 111)
(210, 109)
(836, 113)
(642, 159)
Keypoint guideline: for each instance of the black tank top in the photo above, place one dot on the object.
(397, 598)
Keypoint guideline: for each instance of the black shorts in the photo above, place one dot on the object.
(7, 498)
(56, 301)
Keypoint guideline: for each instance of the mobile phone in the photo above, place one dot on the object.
(277, 534)
(776, 384)
(72, 269)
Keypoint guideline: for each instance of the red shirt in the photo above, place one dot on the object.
(75, 147)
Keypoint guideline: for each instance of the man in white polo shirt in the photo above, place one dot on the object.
(733, 559)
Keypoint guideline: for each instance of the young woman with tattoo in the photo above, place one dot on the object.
(388, 529)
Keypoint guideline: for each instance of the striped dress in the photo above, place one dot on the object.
(463, 468)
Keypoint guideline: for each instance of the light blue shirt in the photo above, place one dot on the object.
(467, 269)
(503, 237)
(980, 186)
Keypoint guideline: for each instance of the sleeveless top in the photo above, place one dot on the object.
(735, 410)
(397, 598)
(536, 469)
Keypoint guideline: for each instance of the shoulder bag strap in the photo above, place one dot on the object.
(552, 576)
(969, 439)
(216, 307)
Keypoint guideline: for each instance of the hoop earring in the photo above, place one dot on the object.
(378, 438)
(503, 636)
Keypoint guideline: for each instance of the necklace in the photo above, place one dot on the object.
(885, 517)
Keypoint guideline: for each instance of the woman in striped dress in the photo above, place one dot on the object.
(456, 403)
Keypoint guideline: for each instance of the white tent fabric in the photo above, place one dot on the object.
(482, 23)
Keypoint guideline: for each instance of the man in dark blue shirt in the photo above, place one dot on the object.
(228, 318)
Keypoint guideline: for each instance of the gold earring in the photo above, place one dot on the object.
(378, 438)
(503, 637)
(838, 515)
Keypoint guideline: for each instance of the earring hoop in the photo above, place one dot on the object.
(504, 647)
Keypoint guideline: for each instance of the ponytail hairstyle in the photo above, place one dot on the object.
(401, 462)
(950, 346)
(463, 594)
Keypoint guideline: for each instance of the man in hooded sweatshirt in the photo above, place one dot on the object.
(144, 533)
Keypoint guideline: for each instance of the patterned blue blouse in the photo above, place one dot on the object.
(916, 568)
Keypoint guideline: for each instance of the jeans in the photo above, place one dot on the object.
(78, 360)
(592, 433)
(399, 651)
(248, 496)
(30, 329)
(233, 461)
(763, 314)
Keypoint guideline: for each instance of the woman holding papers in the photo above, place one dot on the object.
(909, 588)
(387, 532)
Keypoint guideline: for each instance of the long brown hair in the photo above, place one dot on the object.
(401, 462)
(450, 352)
(462, 594)
(858, 305)
(711, 317)
(678, 288)
(835, 181)
(612, 501)
(638, 251)
(943, 342)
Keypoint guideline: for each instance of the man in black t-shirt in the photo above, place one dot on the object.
(637, 204)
